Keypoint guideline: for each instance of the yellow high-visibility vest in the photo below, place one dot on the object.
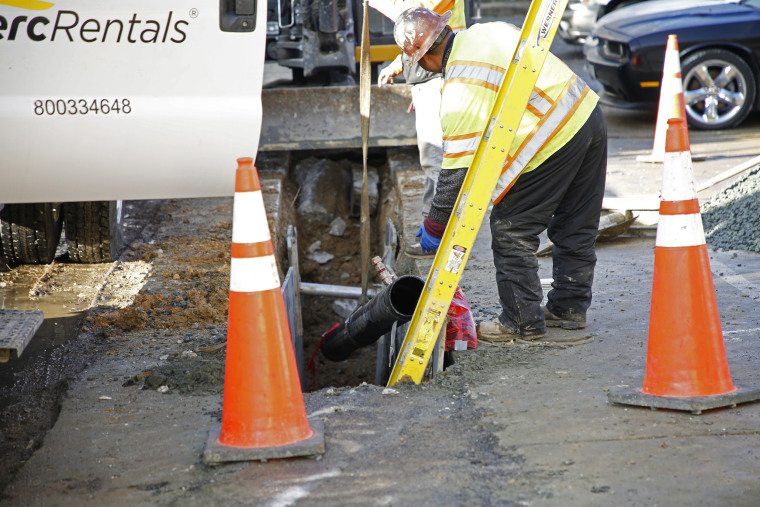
(559, 105)
(457, 20)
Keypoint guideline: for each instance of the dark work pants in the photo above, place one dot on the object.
(563, 195)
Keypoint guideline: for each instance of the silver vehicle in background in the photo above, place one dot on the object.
(581, 15)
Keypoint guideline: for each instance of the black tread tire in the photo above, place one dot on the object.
(93, 231)
(29, 233)
(741, 66)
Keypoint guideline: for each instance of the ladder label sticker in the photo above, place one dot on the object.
(456, 256)
(549, 15)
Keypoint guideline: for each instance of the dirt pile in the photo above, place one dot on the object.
(204, 305)
(177, 320)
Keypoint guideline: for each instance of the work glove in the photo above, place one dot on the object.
(428, 243)
(385, 76)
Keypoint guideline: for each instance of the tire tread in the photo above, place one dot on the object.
(29, 233)
(92, 233)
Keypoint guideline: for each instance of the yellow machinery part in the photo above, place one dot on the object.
(380, 53)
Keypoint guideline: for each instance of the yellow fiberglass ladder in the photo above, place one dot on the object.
(429, 317)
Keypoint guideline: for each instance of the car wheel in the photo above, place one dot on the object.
(719, 89)
(93, 230)
(29, 233)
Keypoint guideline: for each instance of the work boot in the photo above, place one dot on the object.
(495, 331)
(415, 251)
(570, 321)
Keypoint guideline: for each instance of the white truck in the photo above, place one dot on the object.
(130, 99)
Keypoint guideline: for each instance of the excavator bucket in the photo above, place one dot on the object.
(317, 118)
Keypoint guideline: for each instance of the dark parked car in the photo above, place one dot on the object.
(719, 45)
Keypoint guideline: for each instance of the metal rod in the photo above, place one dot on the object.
(335, 291)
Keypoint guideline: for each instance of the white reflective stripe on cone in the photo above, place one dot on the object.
(678, 177)
(249, 218)
(680, 230)
(672, 83)
(254, 274)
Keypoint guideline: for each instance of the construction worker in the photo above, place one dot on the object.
(559, 154)
(426, 96)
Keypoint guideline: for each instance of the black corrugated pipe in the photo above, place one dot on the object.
(367, 324)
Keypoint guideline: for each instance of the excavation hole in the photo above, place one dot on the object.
(327, 196)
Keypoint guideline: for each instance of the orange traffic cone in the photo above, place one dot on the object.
(263, 414)
(686, 367)
(671, 103)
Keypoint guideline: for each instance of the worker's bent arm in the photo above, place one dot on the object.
(446, 192)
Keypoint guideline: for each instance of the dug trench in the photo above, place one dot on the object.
(320, 197)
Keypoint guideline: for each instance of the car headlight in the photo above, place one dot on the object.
(615, 50)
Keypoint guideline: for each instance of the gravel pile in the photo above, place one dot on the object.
(731, 218)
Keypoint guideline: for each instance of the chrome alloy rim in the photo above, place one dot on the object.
(714, 91)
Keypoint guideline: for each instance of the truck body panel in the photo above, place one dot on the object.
(134, 100)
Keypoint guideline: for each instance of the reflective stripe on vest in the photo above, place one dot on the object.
(551, 120)
(470, 88)
(461, 146)
(475, 73)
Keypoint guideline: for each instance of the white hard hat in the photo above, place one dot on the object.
(417, 29)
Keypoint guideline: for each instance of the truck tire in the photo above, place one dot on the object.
(29, 233)
(93, 230)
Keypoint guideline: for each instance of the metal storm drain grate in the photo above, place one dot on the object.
(17, 327)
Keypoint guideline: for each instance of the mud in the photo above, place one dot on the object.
(72, 297)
